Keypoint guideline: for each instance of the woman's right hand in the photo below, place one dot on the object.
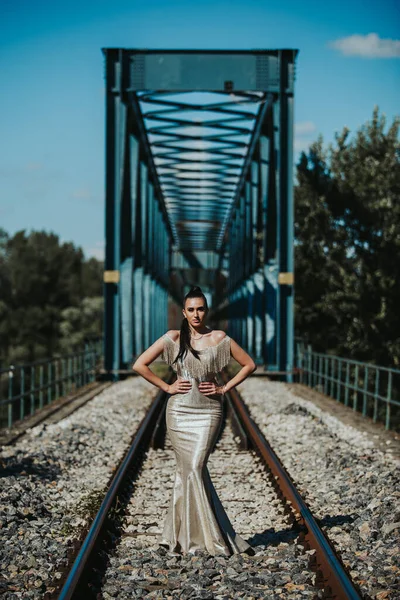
(180, 386)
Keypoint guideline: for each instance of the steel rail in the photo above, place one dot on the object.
(70, 588)
(335, 578)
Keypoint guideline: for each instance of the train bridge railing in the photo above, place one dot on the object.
(27, 388)
(370, 389)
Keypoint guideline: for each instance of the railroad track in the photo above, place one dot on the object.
(118, 557)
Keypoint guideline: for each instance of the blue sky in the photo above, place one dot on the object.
(52, 87)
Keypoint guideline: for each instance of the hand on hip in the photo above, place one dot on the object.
(208, 388)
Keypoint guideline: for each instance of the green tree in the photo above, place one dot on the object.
(80, 324)
(92, 278)
(5, 296)
(347, 228)
(366, 172)
(42, 278)
(322, 264)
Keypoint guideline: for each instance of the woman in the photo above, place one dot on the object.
(196, 519)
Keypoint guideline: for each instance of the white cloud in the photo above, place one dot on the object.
(304, 128)
(96, 251)
(367, 46)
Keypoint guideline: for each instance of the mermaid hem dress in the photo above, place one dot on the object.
(196, 519)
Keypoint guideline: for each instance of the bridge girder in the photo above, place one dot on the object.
(199, 158)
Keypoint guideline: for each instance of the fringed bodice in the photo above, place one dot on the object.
(211, 362)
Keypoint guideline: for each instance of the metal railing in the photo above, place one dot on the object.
(26, 388)
(372, 390)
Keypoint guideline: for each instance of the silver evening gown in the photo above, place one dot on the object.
(196, 519)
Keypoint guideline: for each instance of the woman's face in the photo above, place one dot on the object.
(195, 311)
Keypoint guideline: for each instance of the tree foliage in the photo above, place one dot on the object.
(347, 229)
(41, 280)
(80, 323)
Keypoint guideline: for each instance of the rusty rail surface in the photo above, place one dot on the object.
(336, 582)
(75, 584)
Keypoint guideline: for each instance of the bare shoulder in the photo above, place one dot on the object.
(173, 334)
(218, 335)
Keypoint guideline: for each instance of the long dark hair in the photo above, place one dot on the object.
(184, 338)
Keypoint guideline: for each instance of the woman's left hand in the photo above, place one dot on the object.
(208, 388)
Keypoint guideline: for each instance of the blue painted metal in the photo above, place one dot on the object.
(271, 321)
(286, 218)
(198, 159)
(126, 295)
(250, 315)
(203, 139)
(115, 135)
(271, 179)
(210, 70)
(130, 200)
(259, 317)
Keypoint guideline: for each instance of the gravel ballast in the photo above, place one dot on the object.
(54, 478)
(52, 483)
(351, 486)
(278, 569)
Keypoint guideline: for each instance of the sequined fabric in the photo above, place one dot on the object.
(196, 519)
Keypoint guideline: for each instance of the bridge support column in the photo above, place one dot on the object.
(243, 313)
(151, 199)
(258, 317)
(137, 231)
(152, 321)
(138, 309)
(146, 310)
(116, 134)
(271, 316)
(283, 140)
(250, 315)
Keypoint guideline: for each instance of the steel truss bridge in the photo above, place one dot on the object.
(199, 190)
